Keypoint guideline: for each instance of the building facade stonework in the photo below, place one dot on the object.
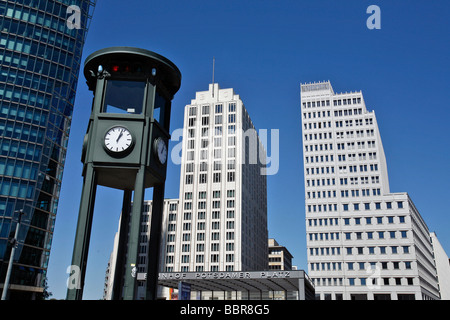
(363, 242)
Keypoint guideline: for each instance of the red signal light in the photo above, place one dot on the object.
(126, 69)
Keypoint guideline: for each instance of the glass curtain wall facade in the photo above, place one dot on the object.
(40, 56)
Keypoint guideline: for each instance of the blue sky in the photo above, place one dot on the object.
(264, 50)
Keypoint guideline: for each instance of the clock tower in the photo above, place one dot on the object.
(125, 147)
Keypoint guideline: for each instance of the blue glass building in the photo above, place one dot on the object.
(41, 44)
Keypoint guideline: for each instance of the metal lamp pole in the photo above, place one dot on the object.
(11, 257)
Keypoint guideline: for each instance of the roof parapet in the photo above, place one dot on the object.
(316, 88)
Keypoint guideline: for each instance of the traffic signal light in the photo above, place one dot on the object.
(126, 69)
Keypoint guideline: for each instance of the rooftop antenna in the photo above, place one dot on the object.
(214, 64)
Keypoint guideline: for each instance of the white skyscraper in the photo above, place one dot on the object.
(221, 224)
(363, 242)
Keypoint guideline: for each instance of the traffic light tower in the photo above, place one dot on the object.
(125, 148)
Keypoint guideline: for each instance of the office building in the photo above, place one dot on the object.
(279, 257)
(40, 57)
(222, 218)
(170, 210)
(363, 242)
(442, 267)
(219, 222)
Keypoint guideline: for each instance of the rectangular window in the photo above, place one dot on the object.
(125, 97)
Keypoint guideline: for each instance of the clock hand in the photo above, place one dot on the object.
(120, 135)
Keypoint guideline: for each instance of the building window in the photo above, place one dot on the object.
(129, 101)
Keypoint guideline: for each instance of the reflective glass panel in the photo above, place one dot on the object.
(126, 97)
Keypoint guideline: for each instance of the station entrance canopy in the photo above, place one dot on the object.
(244, 281)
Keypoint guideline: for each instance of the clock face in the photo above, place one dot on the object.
(161, 150)
(118, 140)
